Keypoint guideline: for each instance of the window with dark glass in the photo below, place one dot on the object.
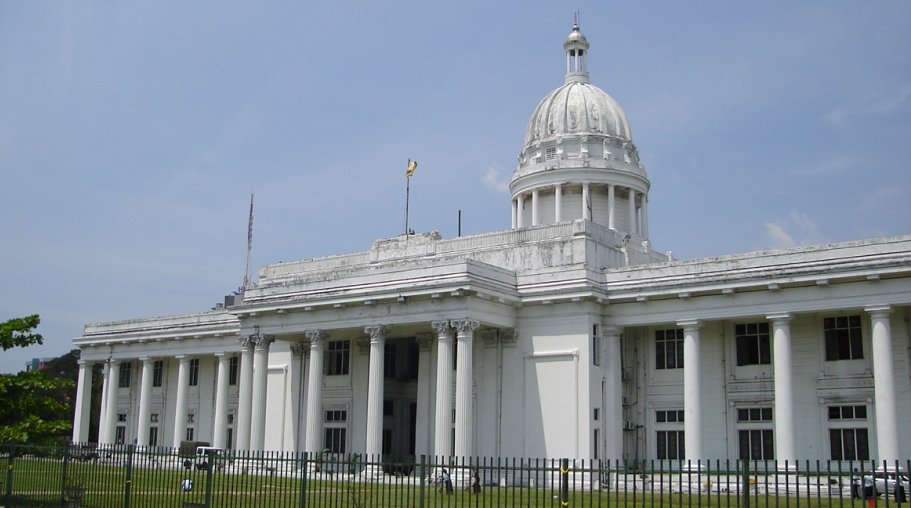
(233, 368)
(671, 416)
(849, 444)
(126, 370)
(337, 356)
(157, 373)
(753, 346)
(844, 340)
(756, 444)
(194, 372)
(669, 348)
(670, 445)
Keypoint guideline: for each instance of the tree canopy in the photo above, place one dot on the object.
(34, 407)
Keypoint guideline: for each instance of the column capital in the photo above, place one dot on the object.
(264, 341)
(298, 348)
(316, 337)
(220, 354)
(246, 341)
(441, 327)
(146, 359)
(465, 326)
(692, 324)
(377, 333)
(878, 310)
(780, 317)
(86, 363)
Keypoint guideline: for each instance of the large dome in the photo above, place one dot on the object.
(576, 108)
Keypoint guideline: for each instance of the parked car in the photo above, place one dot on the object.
(892, 483)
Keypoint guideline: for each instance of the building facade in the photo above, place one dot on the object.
(564, 336)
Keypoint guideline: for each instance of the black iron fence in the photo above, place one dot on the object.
(129, 476)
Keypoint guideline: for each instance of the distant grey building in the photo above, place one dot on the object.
(564, 336)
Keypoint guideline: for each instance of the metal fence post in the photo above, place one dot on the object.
(564, 482)
(303, 492)
(423, 485)
(9, 476)
(210, 466)
(745, 482)
(128, 484)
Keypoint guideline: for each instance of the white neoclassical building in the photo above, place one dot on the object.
(564, 336)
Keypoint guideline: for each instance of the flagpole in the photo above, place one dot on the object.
(407, 199)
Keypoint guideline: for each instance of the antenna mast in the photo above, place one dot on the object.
(249, 245)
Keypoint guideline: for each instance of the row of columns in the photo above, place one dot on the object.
(639, 227)
(785, 446)
(464, 332)
(251, 404)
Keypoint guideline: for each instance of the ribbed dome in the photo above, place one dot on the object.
(577, 108)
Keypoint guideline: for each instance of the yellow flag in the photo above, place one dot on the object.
(412, 165)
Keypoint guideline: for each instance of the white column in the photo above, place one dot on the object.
(586, 202)
(884, 385)
(296, 375)
(534, 207)
(145, 402)
(643, 220)
(180, 408)
(611, 207)
(520, 212)
(442, 439)
(314, 441)
(110, 424)
(375, 391)
(464, 438)
(103, 416)
(515, 208)
(632, 212)
(245, 395)
(422, 423)
(784, 390)
(613, 410)
(260, 391)
(692, 392)
(558, 202)
(220, 425)
(83, 403)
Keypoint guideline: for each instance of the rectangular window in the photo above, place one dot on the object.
(126, 369)
(670, 445)
(753, 344)
(153, 436)
(335, 439)
(121, 417)
(849, 444)
(157, 373)
(550, 153)
(191, 418)
(153, 418)
(336, 433)
(669, 348)
(844, 340)
(194, 372)
(672, 416)
(337, 356)
(596, 439)
(190, 434)
(756, 444)
(120, 434)
(847, 412)
(233, 367)
(754, 414)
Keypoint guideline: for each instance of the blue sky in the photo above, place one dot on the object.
(131, 134)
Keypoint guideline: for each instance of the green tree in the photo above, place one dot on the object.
(34, 408)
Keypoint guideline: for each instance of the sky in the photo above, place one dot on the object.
(133, 133)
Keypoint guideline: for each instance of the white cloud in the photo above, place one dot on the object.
(797, 229)
(495, 180)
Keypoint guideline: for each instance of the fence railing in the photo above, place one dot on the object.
(130, 476)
